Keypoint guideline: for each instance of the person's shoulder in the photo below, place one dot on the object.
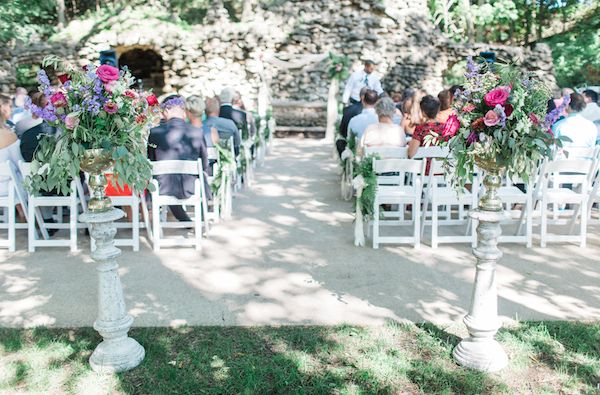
(7, 137)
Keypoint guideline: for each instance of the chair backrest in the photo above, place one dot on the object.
(573, 166)
(388, 152)
(24, 168)
(580, 152)
(432, 152)
(381, 166)
(212, 153)
(191, 167)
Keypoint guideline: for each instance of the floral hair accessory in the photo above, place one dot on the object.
(177, 101)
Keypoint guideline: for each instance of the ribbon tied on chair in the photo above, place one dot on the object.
(359, 236)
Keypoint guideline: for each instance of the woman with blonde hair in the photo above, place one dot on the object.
(412, 113)
(9, 142)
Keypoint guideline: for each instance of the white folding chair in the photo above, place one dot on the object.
(438, 192)
(248, 175)
(387, 152)
(9, 205)
(170, 167)
(72, 201)
(216, 202)
(513, 197)
(552, 177)
(397, 190)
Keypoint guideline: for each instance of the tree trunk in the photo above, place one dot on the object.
(60, 11)
(527, 23)
(540, 19)
(479, 27)
(332, 110)
(469, 20)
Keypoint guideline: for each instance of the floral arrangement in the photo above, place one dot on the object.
(92, 108)
(500, 118)
(338, 66)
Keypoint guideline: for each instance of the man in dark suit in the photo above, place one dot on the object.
(348, 113)
(226, 97)
(175, 139)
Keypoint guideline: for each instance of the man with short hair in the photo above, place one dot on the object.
(348, 113)
(592, 110)
(226, 128)
(367, 117)
(175, 139)
(580, 131)
(358, 80)
(227, 97)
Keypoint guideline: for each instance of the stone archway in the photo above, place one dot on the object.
(146, 65)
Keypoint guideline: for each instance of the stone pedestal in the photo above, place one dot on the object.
(117, 352)
(480, 350)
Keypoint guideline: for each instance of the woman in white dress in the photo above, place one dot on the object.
(385, 133)
(9, 142)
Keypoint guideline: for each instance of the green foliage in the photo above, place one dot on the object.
(221, 170)
(367, 199)
(339, 66)
(26, 20)
(576, 53)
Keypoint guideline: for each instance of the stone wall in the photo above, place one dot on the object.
(270, 43)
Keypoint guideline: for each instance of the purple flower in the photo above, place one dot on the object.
(174, 102)
(501, 114)
(45, 113)
(472, 138)
(553, 115)
(472, 69)
(42, 78)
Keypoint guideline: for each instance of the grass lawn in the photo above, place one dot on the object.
(545, 357)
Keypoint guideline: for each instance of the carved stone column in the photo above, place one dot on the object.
(117, 352)
(480, 350)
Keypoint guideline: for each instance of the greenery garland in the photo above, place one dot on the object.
(367, 199)
(220, 176)
(338, 67)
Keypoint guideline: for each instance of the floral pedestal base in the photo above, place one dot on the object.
(480, 350)
(117, 352)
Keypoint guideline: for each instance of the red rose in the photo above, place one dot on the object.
(64, 78)
(107, 73)
(478, 124)
(451, 127)
(497, 96)
(58, 100)
(152, 100)
(508, 109)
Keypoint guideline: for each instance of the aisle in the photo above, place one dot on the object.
(287, 258)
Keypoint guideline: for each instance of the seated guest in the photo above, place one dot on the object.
(348, 113)
(176, 139)
(445, 98)
(31, 129)
(580, 131)
(384, 133)
(592, 110)
(412, 115)
(9, 142)
(19, 111)
(194, 108)
(430, 127)
(227, 110)
(226, 128)
(238, 103)
(367, 116)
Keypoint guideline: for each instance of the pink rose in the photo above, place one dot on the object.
(110, 107)
(109, 86)
(451, 127)
(497, 96)
(72, 121)
(107, 73)
(534, 119)
(468, 108)
(491, 118)
(130, 94)
(58, 100)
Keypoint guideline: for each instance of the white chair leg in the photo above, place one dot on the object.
(417, 225)
(155, 226)
(376, 225)
(198, 225)
(31, 227)
(529, 224)
(11, 222)
(73, 225)
(434, 225)
(582, 244)
(544, 225)
(135, 226)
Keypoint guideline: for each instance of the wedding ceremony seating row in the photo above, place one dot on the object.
(154, 218)
(559, 192)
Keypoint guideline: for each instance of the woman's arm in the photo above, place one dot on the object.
(413, 147)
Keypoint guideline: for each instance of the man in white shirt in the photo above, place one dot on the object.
(592, 110)
(360, 79)
(367, 117)
(579, 130)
